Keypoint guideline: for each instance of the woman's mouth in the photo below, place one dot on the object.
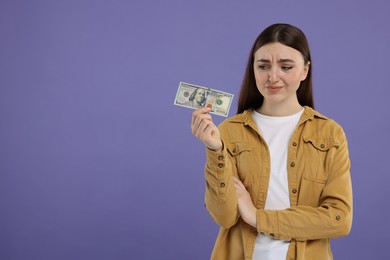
(274, 89)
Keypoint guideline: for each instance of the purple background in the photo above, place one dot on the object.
(97, 163)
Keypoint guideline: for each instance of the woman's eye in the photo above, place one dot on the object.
(263, 67)
(286, 67)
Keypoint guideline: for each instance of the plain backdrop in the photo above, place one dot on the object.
(97, 163)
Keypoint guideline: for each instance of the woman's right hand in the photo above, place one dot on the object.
(205, 130)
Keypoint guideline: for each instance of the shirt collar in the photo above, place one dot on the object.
(246, 116)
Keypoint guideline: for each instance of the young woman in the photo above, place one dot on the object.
(278, 173)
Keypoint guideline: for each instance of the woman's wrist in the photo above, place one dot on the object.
(218, 150)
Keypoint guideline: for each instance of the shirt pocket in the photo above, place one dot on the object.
(241, 154)
(318, 157)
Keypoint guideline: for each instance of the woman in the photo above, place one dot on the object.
(277, 174)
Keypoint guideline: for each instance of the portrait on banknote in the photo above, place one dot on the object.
(197, 98)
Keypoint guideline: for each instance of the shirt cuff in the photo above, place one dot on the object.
(216, 161)
(267, 223)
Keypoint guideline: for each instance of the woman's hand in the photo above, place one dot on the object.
(205, 130)
(245, 204)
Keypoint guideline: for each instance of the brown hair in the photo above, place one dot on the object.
(288, 35)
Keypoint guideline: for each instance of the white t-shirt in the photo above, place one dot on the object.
(276, 132)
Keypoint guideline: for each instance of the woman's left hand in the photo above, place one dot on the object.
(245, 204)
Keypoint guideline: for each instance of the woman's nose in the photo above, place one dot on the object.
(273, 75)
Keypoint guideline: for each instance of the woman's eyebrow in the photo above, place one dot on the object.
(263, 60)
(279, 61)
(286, 60)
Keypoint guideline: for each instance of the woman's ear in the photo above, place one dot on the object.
(305, 71)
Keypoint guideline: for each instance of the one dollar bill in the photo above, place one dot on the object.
(193, 96)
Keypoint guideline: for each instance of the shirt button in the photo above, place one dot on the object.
(220, 157)
(294, 190)
(222, 184)
(292, 164)
(220, 165)
(294, 144)
(322, 146)
(234, 150)
(338, 217)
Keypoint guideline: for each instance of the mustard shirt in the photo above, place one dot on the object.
(320, 190)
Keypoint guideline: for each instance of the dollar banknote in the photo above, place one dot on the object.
(193, 96)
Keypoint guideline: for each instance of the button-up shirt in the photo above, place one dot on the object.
(318, 169)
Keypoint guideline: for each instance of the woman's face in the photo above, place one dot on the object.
(200, 96)
(279, 70)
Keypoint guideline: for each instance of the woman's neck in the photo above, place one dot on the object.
(279, 109)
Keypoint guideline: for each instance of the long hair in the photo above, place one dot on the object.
(285, 34)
